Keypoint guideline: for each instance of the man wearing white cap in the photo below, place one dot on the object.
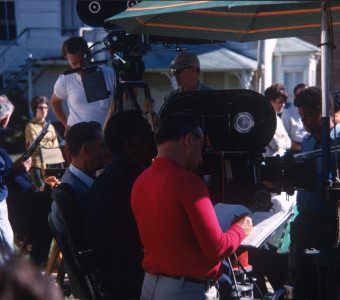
(186, 69)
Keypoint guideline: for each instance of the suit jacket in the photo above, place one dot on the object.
(109, 221)
(81, 191)
(72, 195)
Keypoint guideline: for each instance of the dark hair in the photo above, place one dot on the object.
(80, 134)
(120, 126)
(299, 86)
(336, 101)
(310, 97)
(176, 126)
(73, 45)
(35, 101)
(275, 91)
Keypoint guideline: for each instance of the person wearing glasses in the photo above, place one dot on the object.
(277, 95)
(40, 107)
(186, 70)
(183, 242)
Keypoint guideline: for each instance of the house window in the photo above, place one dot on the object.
(8, 28)
(70, 20)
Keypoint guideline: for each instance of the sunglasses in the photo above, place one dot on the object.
(179, 71)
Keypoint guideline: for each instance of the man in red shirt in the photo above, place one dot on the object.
(183, 242)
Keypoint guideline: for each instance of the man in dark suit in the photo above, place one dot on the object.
(88, 153)
(109, 221)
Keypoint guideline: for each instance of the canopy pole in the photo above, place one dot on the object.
(325, 94)
(260, 46)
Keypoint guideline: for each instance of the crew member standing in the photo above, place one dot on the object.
(186, 69)
(316, 225)
(71, 88)
(183, 241)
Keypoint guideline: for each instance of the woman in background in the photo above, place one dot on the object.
(39, 106)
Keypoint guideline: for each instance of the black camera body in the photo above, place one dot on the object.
(238, 125)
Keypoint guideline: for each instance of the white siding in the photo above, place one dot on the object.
(214, 79)
(38, 13)
(159, 86)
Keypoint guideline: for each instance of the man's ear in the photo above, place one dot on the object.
(188, 140)
(85, 149)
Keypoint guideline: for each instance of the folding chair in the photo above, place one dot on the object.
(52, 161)
(79, 260)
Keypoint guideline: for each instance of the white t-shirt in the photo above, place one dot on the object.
(280, 141)
(70, 88)
(292, 122)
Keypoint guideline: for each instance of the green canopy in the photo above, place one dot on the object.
(226, 20)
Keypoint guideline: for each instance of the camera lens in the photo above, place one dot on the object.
(244, 122)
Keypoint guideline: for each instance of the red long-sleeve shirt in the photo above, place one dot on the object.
(178, 225)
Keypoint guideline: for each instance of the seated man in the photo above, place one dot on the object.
(88, 154)
(109, 219)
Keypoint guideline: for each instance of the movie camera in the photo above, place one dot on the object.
(238, 124)
(131, 46)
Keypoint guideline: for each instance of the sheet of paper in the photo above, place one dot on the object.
(264, 223)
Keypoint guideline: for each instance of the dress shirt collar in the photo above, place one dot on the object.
(81, 175)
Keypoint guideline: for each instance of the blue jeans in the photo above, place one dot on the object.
(6, 233)
(164, 288)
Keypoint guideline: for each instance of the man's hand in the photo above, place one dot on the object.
(245, 222)
(21, 167)
(52, 181)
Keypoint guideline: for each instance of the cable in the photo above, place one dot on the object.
(234, 278)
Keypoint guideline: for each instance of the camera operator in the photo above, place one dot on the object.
(316, 215)
(183, 241)
(71, 87)
(316, 224)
